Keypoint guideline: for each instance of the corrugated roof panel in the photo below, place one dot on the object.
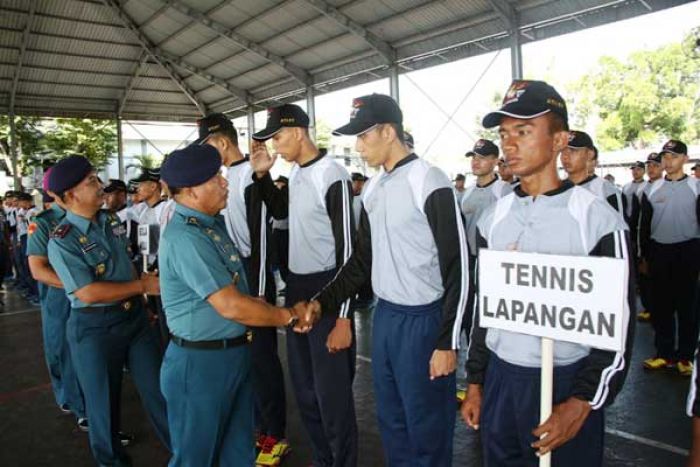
(41, 58)
(79, 47)
(87, 31)
(75, 78)
(278, 20)
(155, 83)
(263, 74)
(66, 91)
(158, 97)
(82, 11)
(9, 55)
(235, 13)
(241, 63)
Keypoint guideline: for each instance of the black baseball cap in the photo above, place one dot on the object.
(580, 139)
(148, 175)
(696, 166)
(674, 146)
(484, 147)
(287, 115)
(654, 157)
(638, 165)
(370, 111)
(358, 177)
(211, 124)
(528, 99)
(115, 185)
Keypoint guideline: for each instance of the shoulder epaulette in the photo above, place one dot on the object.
(61, 231)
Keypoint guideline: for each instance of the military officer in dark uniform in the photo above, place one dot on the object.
(206, 374)
(107, 327)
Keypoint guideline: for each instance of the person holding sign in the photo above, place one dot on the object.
(575, 158)
(669, 233)
(552, 216)
(411, 244)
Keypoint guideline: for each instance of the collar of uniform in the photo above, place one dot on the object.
(58, 210)
(186, 212)
(679, 180)
(586, 180)
(157, 203)
(81, 223)
(239, 162)
(565, 185)
(410, 158)
(313, 161)
(489, 183)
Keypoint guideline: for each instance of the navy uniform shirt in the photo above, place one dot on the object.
(82, 251)
(567, 221)
(40, 230)
(197, 258)
(411, 240)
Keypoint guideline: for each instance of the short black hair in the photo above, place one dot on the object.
(174, 190)
(557, 123)
(229, 133)
(398, 128)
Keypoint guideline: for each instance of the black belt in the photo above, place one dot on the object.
(218, 344)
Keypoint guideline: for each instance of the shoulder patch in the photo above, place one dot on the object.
(61, 231)
(31, 228)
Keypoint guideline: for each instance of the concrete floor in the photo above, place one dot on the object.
(646, 426)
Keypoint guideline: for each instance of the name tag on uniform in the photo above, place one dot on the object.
(89, 247)
(119, 230)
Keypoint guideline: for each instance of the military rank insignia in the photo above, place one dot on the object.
(61, 231)
(100, 269)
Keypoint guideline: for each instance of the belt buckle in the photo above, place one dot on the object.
(249, 336)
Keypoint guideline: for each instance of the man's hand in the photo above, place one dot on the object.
(566, 420)
(150, 284)
(261, 160)
(442, 363)
(471, 407)
(308, 314)
(340, 337)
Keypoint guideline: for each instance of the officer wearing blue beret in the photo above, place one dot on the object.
(206, 374)
(107, 327)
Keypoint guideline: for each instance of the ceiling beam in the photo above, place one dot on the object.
(380, 46)
(25, 39)
(150, 50)
(223, 31)
(506, 11)
(130, 83)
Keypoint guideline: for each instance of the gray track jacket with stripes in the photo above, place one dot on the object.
(321, 226)
(566, 221)
(411, 242)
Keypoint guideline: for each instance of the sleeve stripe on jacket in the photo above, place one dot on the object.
(262, 272)
(618, 364)
(347, 242)
(464, 286)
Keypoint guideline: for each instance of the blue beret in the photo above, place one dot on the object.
(68, 172)
(191, 166)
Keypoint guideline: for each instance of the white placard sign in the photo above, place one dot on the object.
(144, 239)
(566, 298)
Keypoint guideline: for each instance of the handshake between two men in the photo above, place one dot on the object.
(306, 314)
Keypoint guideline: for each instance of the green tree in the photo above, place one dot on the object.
(323, 134)
(650, 96)
(94, 139)
(30, 141)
